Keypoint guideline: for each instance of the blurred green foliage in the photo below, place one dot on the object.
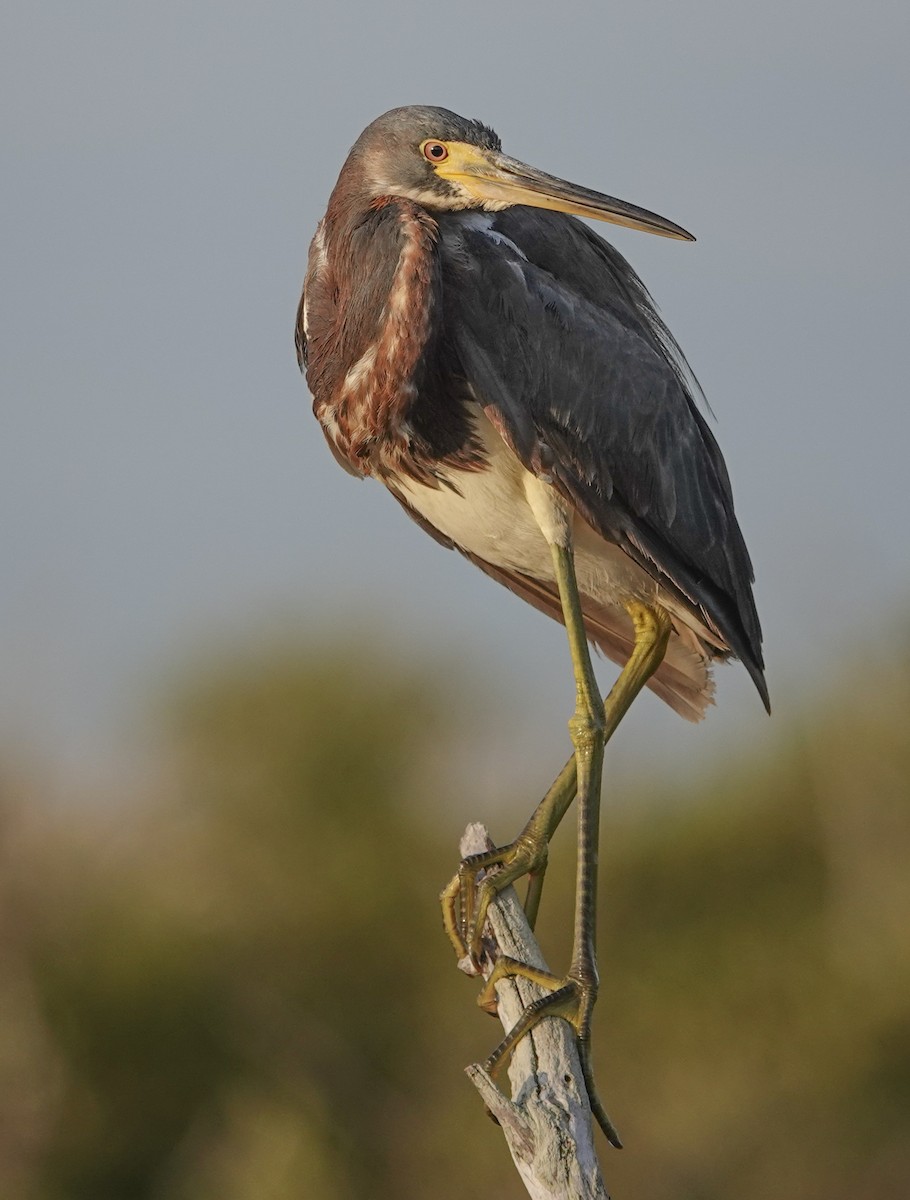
(240, 988)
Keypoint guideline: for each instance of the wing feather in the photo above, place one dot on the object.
(563, 346)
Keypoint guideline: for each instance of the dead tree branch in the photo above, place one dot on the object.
(547, 1123)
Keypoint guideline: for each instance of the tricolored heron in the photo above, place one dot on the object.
(503, 371)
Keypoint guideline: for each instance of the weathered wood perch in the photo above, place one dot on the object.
(547, 1123)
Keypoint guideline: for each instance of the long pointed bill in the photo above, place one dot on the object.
(487, 175)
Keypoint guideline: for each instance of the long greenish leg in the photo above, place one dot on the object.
(465, 904)
(590, 726)
(586, 728)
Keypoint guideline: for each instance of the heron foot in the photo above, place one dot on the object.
(570, 998)
(465, 902)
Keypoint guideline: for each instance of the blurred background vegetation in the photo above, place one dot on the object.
(237, 985)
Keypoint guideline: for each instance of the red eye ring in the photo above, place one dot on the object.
(435, 152)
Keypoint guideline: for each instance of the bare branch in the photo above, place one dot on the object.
(547, 1123)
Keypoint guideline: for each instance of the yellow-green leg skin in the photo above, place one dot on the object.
(569, 999)
(465, 902)
(506, 968)
(591, 725)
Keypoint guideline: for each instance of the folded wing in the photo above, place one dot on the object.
(563, 347)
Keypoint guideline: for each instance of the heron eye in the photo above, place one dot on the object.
(435, 151)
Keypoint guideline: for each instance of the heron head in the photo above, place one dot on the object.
(445, 162)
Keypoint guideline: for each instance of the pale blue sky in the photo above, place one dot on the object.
(163, 166)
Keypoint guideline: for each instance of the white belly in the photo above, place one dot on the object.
(491, 515)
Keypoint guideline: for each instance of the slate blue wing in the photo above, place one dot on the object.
(563, 347)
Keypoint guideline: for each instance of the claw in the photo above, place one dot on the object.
(465, 902)
(569, 998)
